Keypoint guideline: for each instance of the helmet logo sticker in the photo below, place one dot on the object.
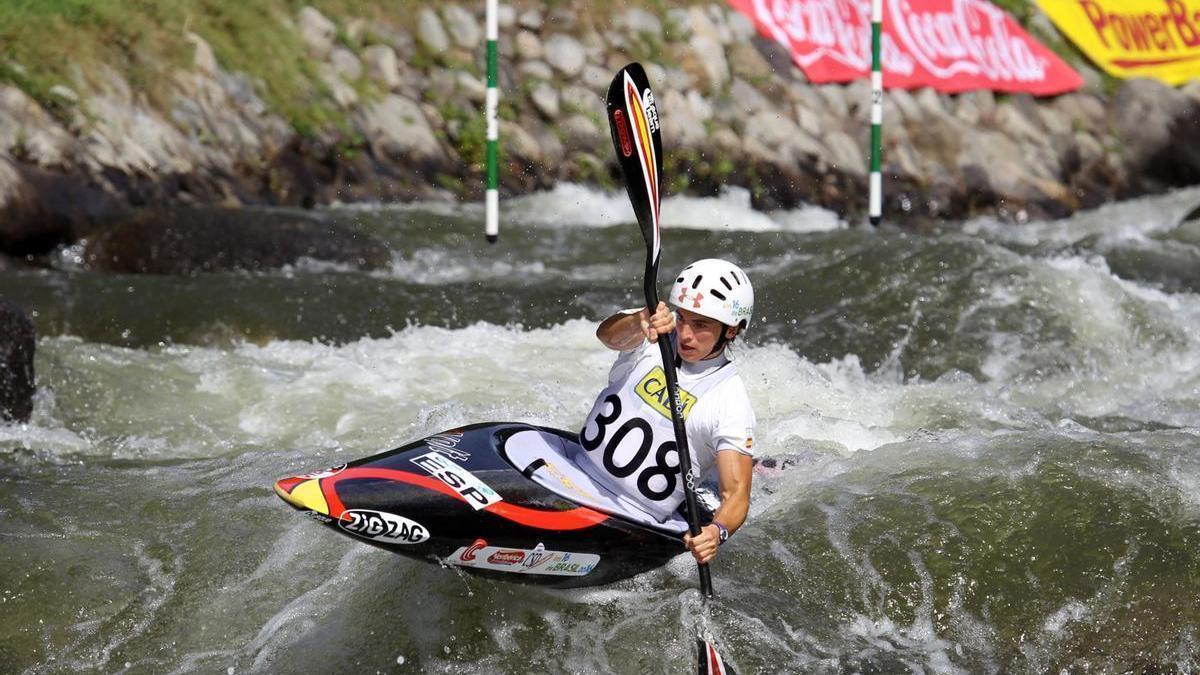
(683, 296)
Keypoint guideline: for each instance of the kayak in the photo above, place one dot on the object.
(500, 500)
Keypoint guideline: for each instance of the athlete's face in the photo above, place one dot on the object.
(698, 335)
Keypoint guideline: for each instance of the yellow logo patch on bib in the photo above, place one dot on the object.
(653, 390)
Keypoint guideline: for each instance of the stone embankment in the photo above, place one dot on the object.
(735, 112)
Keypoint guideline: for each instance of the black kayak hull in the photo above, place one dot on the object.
(453, 499)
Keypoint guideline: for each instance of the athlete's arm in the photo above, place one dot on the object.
(624, 331)
(734, 473)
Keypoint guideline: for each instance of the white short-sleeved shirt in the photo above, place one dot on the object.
(721, 420)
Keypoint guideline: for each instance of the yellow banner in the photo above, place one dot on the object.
(1134, 38)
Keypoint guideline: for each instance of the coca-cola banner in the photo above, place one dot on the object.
(1134, 38)
(951, 45)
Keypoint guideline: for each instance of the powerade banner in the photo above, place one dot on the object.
(1134, 38)
(951, 45)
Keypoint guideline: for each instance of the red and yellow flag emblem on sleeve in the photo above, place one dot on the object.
(1134, 38)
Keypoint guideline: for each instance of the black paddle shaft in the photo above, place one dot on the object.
(691, 508)
(633, 121)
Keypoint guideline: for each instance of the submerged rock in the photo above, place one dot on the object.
(17, 343)
(191, 241)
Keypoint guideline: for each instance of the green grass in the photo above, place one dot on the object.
(48, 42)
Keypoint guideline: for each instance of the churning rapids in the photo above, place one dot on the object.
(983, 448)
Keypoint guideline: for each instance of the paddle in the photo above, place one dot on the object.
(633, 121)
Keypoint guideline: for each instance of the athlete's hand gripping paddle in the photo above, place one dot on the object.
(633, 121)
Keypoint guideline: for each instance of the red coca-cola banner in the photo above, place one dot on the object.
(951, 45)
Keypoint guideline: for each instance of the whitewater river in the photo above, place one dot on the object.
(984, 448)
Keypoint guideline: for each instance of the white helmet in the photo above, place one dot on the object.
(717, 289)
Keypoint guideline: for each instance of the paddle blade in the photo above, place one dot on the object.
(633, 121)
(711, 662)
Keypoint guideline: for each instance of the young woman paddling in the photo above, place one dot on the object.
(628, 436)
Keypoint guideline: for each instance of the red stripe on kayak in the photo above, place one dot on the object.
(288, 484)
(578, 518)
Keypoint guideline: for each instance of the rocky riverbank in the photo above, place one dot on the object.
(409, 110)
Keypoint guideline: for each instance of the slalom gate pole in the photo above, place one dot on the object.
(492, 226)
(875, 208)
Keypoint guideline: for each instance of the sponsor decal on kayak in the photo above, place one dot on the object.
(523, 561)
(467, 553)
(507, 557)
(319, 517)
(381, 526)
(476, 492)
(572, 565)
(446, 444)
(653, 390)
(324, 473)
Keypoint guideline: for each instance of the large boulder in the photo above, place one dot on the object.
(430, 33)
(27, 130)
(545, 99)
(194, 240)
(1160, 132)
(18, 207)
(346, 64)
(345, 95)
(317, 31)
(996, 169)
(396, 128)
(777, 134)
(565, 54)
(637, 20)
(581, 133)
(528, 45)
(681, 128)
(40, 209)
(382, 66)
(17, 342)
(462, 26)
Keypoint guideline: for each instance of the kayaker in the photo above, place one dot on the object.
(629, 438)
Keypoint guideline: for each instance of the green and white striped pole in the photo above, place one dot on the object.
(875, 208)
(492, 226)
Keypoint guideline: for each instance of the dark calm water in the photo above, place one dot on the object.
(988, 447)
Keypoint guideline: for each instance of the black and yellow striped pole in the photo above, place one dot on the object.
(875, 207)
(492, 225)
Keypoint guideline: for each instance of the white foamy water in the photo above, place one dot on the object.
(570, 204)
(373, 394)
(1136, 219)
(906, 509)
(370, 394)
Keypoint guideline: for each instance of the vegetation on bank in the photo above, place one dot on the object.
(62, 42)
(73, 43)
